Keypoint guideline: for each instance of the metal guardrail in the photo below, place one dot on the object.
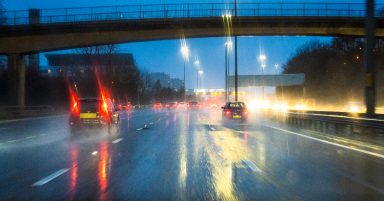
(15, 112)
(324, 120)
(341, 119)
(193, 10)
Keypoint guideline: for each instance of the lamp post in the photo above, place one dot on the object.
(236, 73)
(228, 46)
(200, 74)
(185, 53)
(197, 64)
(262, 58)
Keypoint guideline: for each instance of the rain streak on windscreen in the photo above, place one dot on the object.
(185, 100)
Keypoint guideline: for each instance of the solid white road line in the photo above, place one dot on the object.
(251, 165)
(32, 118)
(139, 129)
(117, 140)
(50, 177)
(331, 143)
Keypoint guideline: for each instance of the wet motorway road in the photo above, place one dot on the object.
(184, 155)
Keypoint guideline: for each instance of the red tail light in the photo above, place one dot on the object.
(75, 108)
(227, 112)
(104, 108)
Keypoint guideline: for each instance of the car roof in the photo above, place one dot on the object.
(89, 99)
(236, 102)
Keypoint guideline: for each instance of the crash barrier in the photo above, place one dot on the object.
(330, 122)
(16, 112)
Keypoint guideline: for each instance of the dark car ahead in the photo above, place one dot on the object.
(171, 105)
(235, 110)
(193, 105)
(93, 113)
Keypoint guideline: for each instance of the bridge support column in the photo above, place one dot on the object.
(16, 79)
(370, 85)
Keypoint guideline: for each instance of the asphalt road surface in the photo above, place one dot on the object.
(185, 155)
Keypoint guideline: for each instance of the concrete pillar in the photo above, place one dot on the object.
(370, 71)
(16, 79)
(34, 16)
(34, 59)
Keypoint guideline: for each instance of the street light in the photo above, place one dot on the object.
(228, 47)
(197, 64)
(185, 53)
(262, 58)
(200, 73)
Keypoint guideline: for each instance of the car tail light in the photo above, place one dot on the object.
(104, 109)
(75, 108)
(227, 112)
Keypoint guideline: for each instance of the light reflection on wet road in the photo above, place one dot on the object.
(184, 155)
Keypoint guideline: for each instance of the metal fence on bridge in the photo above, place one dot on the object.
(164, 11)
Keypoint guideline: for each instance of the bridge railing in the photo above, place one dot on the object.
(164, 11)
(330, 122)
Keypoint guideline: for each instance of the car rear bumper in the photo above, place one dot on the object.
(85, 122)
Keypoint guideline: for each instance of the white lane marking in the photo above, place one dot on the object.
(3, 129)
(139, 129)
(50, 177)
(212, 128)
(30, 137)
(331, 143)
(251, 165)
(32, 118)
(43, 134)
(117, 140)
(11, 141)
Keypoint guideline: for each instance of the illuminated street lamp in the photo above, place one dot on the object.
(228, 46)
(200, 74)
(197, 64)
(276, 66)
(262, 58)
(185, 53)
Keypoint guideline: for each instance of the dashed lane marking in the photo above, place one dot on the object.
(117, 140)
(50, 177)
(251, 165)
(331, 143)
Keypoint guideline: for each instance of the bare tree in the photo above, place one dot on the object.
(93, 52)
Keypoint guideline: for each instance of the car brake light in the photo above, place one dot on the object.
(227, 112)
(75, 108)
(105, 107)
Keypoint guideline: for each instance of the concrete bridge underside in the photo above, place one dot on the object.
(27, 39)
(20, 40)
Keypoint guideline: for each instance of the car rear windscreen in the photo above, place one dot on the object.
(89, 105)
(237, 105)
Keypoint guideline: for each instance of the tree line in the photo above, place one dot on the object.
(334, 72)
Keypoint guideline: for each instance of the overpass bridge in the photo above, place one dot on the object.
(38, 30)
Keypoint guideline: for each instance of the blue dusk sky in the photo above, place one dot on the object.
(165, 56)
